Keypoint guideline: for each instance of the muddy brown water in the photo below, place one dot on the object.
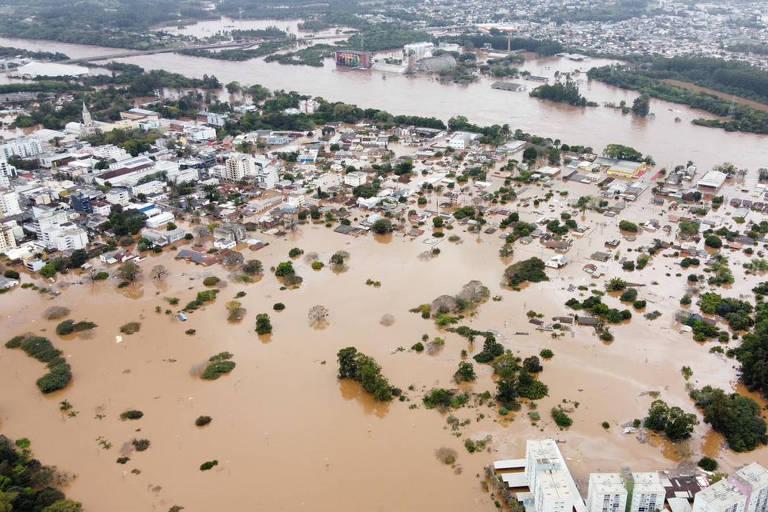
(287, 434)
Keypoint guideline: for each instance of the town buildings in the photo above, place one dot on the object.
(607, 493)
(552, 486)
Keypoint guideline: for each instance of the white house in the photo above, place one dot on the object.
(462, 140)
(160, 219)
(355, 179)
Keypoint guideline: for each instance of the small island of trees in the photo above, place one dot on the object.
(562, 92)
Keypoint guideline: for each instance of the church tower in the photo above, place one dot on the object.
(89, 127)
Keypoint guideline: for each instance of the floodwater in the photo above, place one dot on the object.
(669, 142)
(287, 434)
(207, 28)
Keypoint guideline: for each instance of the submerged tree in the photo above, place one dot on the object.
(317, 315)
(159, 272)
(129, 272)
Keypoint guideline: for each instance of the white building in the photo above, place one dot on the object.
(6, 169)
(69, 238)
(267, 177)
(149, 188)
(462, 140)
(9, 203)
(549, 479)
(55, 231)
(160, 219)
(355, 179)
(239, 167)
(607, 493)
(127, 172)
(7, 239)
(418, 50)
(308, 106)
(721, 496)
(110, 152)
(712, 181)
(118, 195)
(744, 491)
(200, 133)
(24, 147)
(183, 175)
(648, 493)
(296, 200)
(752, 480)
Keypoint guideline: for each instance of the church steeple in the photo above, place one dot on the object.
(89, 127)
(87, 119)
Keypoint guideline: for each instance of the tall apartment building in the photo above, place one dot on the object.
(752, 481)
(744, 491)
(549, 479)
(648, 493)
(23, 148)
(9, 203)
(607, 493)
(267, 177)
(721, 496)
(7, 239)
(6, 169)
(238, 167)
(55, 231)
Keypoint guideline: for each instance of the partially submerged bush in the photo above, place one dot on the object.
(218, 365)
(202, 421)
(141, 444)
(530, 270)
(59, 372)
(70, 326)
(205, 466)
(236, 311)
(56, 313)
(561, 418)
(263, 324)
(132, 414)
(211, 281)
(365, 370)
(130, 328)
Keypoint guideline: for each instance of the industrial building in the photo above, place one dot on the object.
(354, 59)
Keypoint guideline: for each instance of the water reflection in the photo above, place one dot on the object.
(352, 390)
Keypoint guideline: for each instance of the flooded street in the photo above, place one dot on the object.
(287, 434)
(669, 142)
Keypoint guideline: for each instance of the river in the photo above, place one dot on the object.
(668, 141)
